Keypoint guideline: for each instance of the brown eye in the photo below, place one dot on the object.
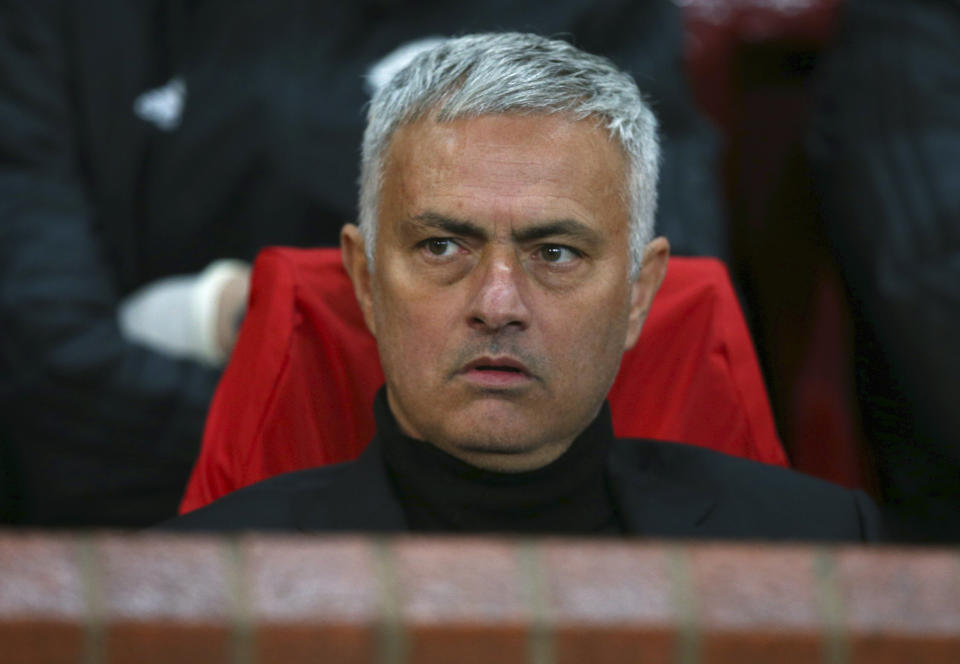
(440, 246)
(556, 253)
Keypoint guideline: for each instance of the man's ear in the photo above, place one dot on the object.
(652, 272)
(354, 256)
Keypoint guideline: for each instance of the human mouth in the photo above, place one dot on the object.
(496, 372)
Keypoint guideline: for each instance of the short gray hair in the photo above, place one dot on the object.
(487, 74)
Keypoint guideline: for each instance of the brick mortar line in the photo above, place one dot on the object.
(91, 575)
(957, 558)
(687, 645)
(540, 641)
(391, 638)
(243, 637)
(834, 646)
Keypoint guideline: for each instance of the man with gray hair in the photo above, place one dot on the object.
(504, 261)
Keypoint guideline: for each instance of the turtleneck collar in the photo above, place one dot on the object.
(439, 492)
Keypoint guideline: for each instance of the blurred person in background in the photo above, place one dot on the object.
(885, 147)
(149, 149)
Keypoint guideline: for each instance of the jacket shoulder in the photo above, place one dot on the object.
(753, 499)
(268, 505)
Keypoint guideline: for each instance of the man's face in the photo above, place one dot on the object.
(500, 297)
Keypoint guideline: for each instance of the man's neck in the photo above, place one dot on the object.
(442, 492)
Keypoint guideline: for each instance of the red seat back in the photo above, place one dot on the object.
(301, 380)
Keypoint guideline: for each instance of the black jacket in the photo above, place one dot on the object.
(661, 489)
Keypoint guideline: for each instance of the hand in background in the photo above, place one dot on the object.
(231, 308)
(195, 316)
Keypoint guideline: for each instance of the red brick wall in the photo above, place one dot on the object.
(144, 599)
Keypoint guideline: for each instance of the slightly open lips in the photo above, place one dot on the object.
(496, 371)
(507, 364)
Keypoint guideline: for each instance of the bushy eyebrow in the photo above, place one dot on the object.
(452, 226)
(570, 228)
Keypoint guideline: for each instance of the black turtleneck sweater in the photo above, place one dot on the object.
(442, 493)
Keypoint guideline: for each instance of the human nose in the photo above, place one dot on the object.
(499, 303)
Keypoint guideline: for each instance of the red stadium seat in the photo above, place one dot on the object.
(301, 380)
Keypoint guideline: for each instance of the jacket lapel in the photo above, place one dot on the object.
(358, 498)
(652, 504)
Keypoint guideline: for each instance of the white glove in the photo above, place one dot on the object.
(191, 316)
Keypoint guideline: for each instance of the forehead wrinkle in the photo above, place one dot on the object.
(528, 200)
(519, 174)
(507, 163)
